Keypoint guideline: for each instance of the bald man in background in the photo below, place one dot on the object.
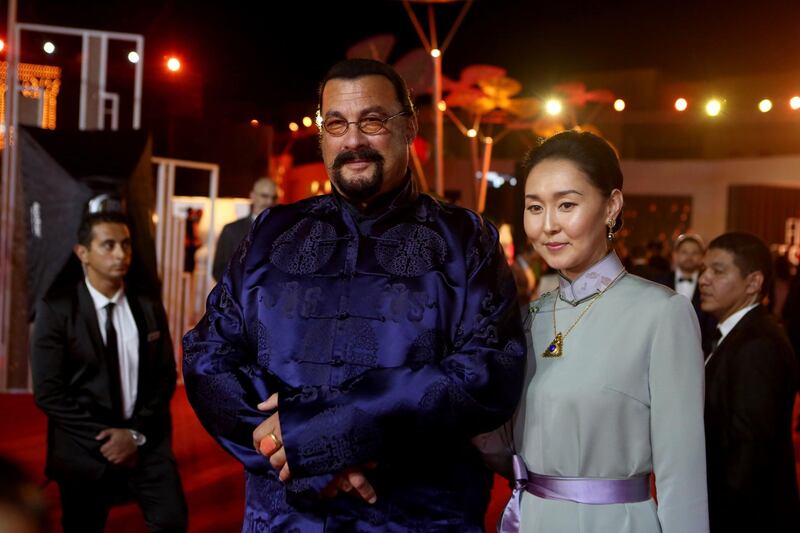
(263, 196)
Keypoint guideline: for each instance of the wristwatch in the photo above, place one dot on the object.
(138, 438)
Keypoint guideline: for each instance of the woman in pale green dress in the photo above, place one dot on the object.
(615, 369)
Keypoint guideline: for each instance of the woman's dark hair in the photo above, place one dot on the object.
(589, 152)
(351, 69)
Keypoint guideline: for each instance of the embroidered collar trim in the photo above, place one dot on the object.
(592, 282)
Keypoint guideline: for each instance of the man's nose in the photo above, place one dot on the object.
(354, 138)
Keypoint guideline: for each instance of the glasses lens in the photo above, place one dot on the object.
(371, 125)
(335, 126)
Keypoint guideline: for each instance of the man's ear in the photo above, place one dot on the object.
(411, 131)
(81, 251)
(754, 281)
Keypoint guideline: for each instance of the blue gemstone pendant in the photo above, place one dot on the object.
(554, 349)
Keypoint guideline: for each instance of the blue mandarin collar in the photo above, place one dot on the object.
(594, 281)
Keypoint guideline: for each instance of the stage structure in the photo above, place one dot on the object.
(436, 52)
(21, 219)
(178, 286)
(39, 84)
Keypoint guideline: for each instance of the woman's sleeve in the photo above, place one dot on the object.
(677, 431)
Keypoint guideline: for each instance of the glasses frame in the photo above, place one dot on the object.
(358, 124)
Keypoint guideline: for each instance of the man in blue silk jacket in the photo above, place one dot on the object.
(357, 341)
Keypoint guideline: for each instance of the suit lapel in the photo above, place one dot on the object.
(89, 316)
(142, 329)
(733, 336)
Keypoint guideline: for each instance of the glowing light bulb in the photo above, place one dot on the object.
(553, 106)
(713, 107)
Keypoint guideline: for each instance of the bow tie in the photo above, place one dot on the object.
(681, 280)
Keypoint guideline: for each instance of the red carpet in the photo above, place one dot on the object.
(213, 481)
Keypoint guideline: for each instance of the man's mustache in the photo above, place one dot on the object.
(366, 154)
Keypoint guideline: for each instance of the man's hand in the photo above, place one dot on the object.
(270, 449)
(351, 480)
(119, 449)
(354, 481)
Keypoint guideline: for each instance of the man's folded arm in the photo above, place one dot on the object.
(223, 383)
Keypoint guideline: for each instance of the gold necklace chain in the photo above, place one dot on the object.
(556, 348)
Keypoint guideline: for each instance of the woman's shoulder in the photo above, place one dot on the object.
(646, 288)
(650, 298)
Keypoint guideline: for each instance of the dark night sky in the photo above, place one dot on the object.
(265, 55)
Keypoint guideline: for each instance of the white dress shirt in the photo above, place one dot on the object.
(127, 342)
(729, 323)
(686, 288)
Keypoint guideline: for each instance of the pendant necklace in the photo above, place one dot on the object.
(556, 348)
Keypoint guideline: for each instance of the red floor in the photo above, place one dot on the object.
(213, 481)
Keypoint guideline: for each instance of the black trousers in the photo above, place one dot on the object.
(154, 483)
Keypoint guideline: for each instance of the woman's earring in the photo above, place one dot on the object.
(610, 224)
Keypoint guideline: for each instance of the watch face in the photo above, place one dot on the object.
(138, 438)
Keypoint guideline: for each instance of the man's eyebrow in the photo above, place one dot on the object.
(366, 110)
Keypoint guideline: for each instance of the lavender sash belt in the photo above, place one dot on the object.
(575, 489)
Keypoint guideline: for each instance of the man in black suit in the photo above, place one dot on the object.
(687, 254)
(751, 380)
(103, 373)
(264, 195)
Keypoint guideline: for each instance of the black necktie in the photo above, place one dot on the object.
(715, 339)
(112, 360)
(680, 280)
